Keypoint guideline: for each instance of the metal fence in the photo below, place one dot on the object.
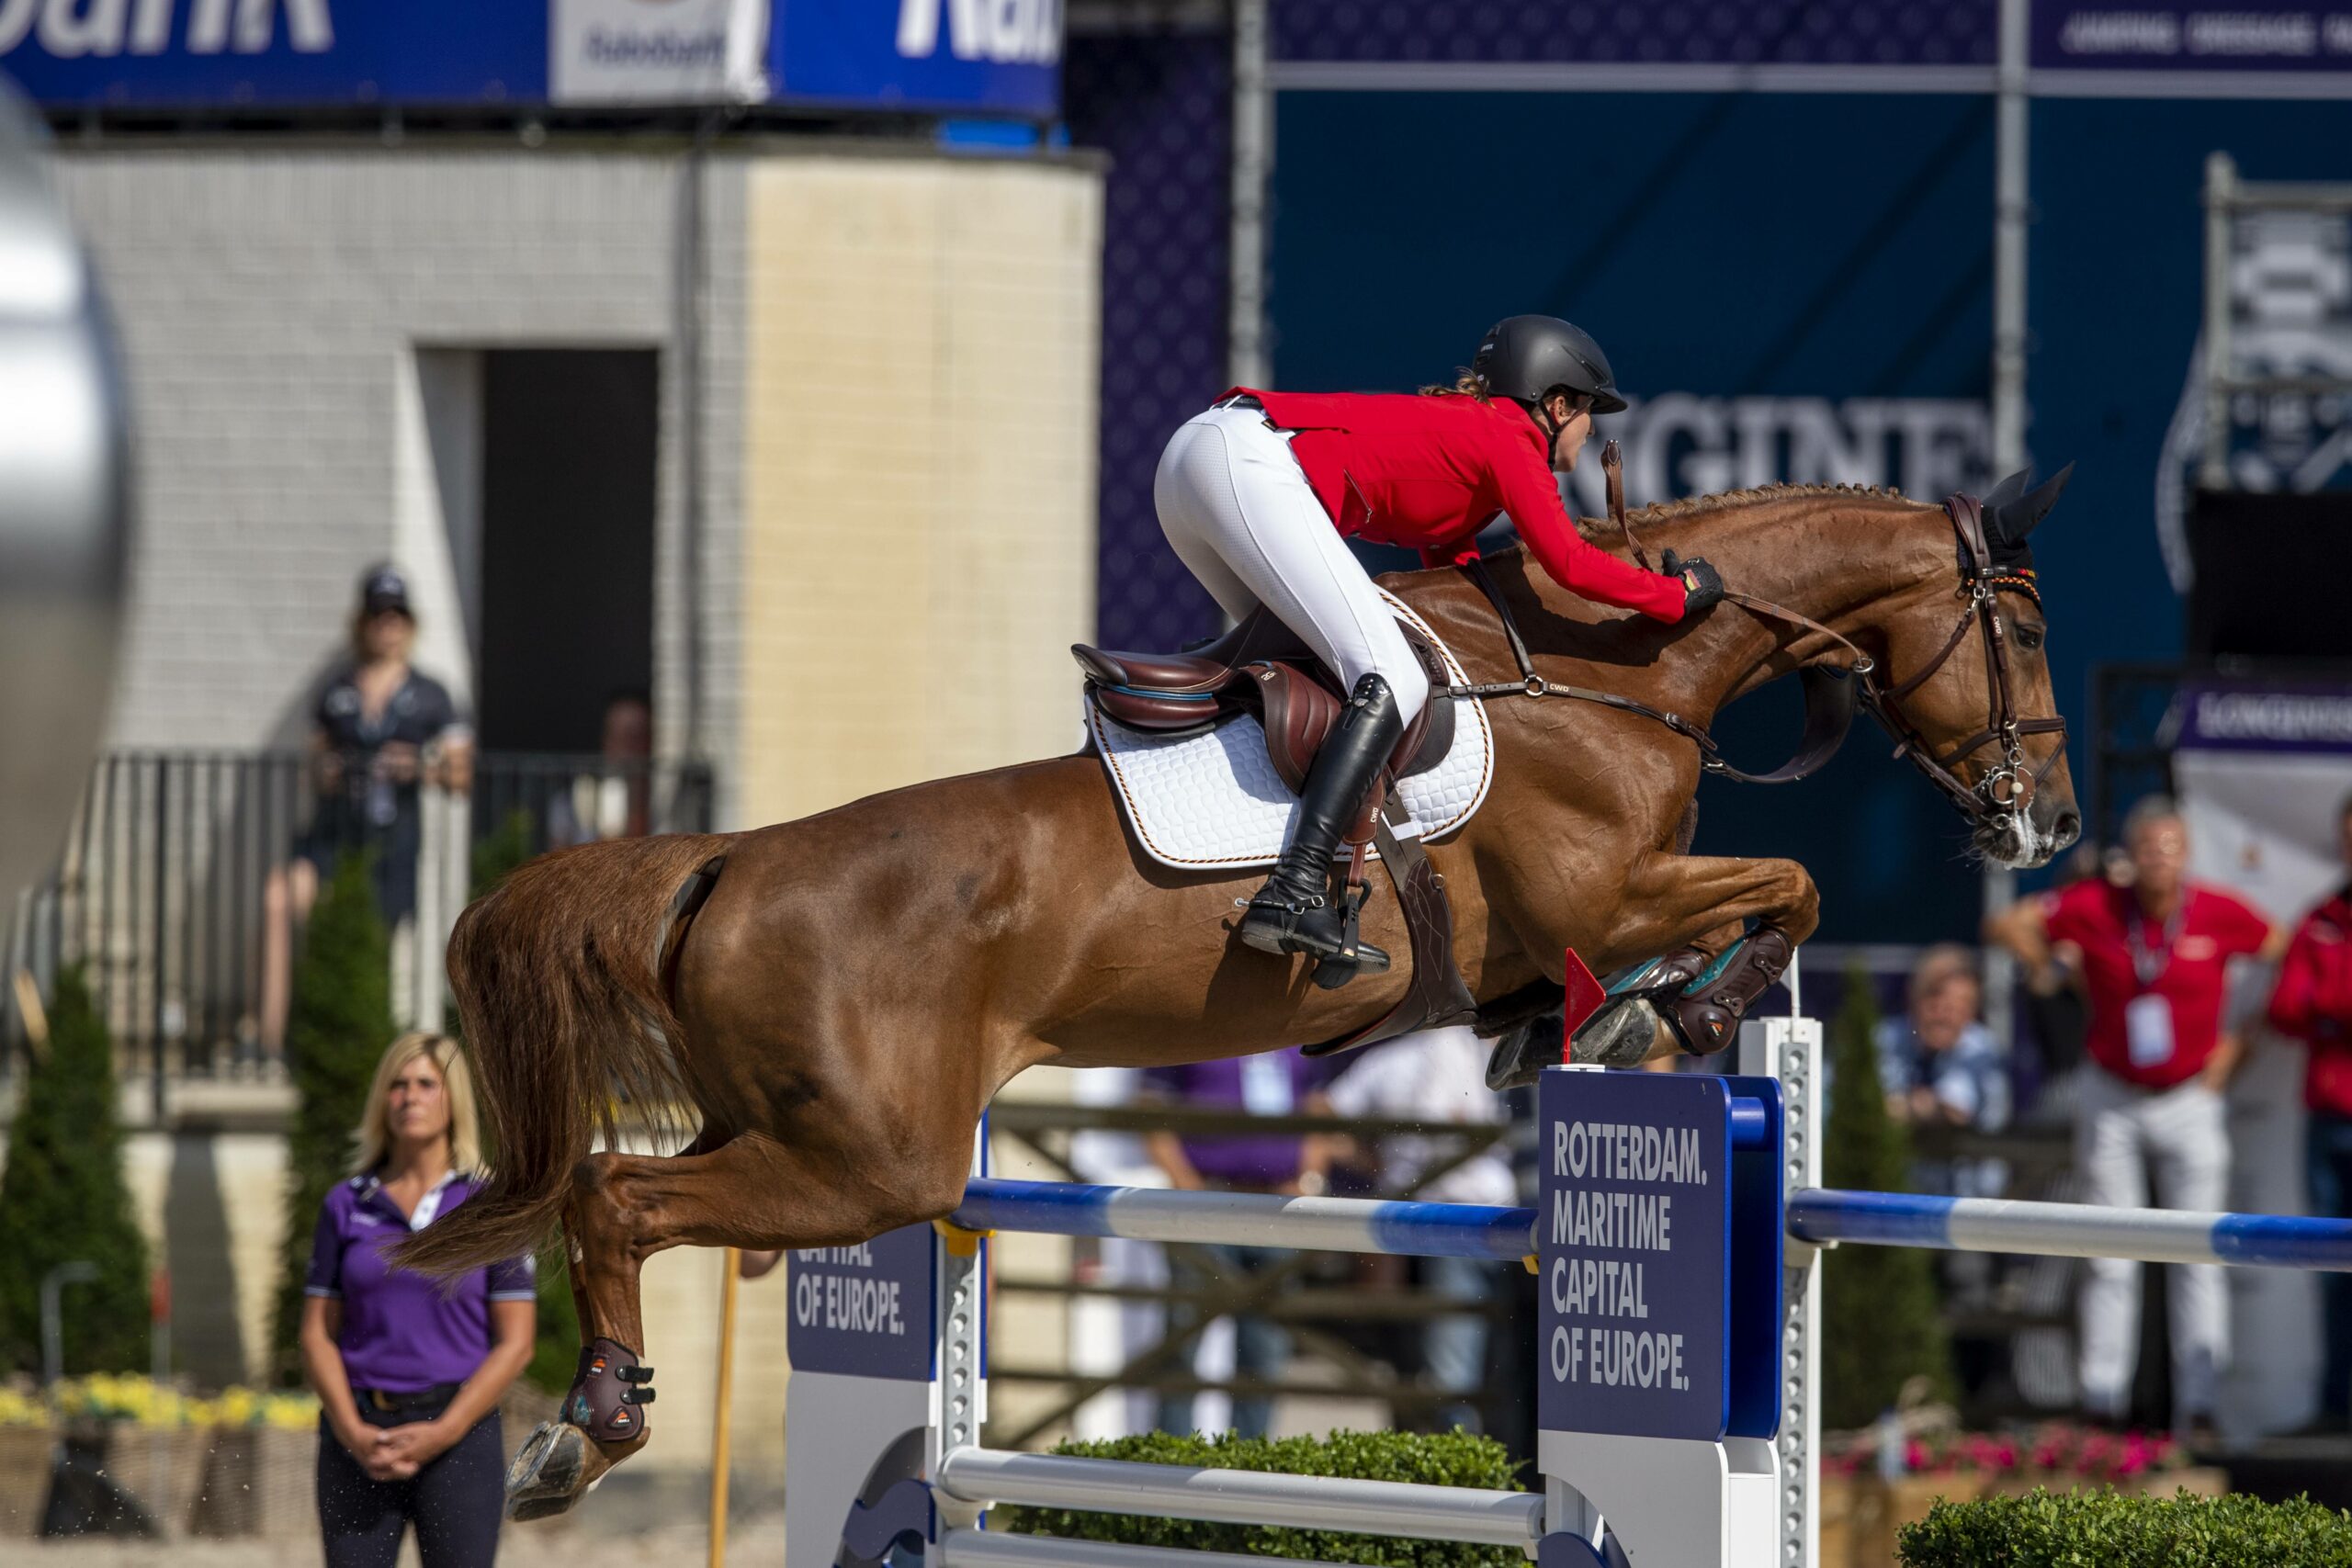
(185, 878)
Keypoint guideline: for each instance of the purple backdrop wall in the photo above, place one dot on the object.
(1160, 105)
(1660, 32)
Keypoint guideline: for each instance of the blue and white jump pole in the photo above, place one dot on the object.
(1680, 1218)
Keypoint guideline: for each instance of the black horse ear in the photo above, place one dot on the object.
(2007, 492)
(2014, 518)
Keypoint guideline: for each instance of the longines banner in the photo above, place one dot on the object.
(2171, 35)
(919, 56)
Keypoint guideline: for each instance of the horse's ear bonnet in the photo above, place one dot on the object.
(2011, 512)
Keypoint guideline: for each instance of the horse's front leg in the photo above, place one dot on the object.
(1727, 928)
(1690, 918)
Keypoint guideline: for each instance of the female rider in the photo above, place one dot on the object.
(1256, 494)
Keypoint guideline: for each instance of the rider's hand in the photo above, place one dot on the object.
(1703, 585)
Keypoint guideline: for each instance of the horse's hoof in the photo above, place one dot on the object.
(549, 1472)
(1619, 1035)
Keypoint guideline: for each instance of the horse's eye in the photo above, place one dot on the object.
(2029, 639)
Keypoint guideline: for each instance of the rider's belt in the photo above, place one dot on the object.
(439, 1395)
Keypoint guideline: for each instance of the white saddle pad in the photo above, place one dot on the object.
(1213, 801)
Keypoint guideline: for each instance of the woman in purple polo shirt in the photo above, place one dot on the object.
(408, 1371)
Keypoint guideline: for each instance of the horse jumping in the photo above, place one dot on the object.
(820, 1011)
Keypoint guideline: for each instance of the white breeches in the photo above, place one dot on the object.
(1241, 516)
(2124, 1134)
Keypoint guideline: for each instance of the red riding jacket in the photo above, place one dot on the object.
(1428, 472)
(2313, 1002)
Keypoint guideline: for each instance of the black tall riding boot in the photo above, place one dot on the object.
(1295, 911)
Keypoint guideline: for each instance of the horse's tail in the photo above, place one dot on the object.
(560, 982)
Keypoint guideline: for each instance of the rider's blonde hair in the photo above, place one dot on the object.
(1465, 385)
(372, 1139)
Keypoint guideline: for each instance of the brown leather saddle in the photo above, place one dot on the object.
(1262, 668)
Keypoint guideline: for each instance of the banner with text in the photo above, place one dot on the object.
(2172, 35)
(865, 1310)
(655, 52)
(899, 56)
(994, 56)
(1633, 1242)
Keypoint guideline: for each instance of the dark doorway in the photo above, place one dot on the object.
(567, 551)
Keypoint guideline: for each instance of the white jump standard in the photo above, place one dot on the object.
(1676, 1406)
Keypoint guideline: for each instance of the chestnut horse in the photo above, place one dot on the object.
(828, 1004)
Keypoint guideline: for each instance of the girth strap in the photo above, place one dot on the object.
(1437, 997)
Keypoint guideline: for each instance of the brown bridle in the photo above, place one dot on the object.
(2005, 789)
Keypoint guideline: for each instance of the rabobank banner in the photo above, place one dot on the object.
(163, 55)
(919, 56)
(655, 52)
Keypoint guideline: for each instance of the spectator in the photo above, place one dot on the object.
(615, 802)
(382, 729)
(1275, 1084)
(1435, 1077)
(408, 1369)
(1940, 1066)
(2152, 959)
(2053, 1004)
(2314, 1003)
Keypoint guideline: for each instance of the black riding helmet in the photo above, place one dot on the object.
(1524, 357)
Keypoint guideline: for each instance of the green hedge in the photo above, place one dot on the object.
(1451, 1459)
(2080, 1530)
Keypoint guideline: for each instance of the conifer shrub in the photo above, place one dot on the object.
(63, 1199)
(1880, 1323)
(337, 1026)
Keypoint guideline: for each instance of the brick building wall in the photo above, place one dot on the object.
(295, 320)
(269, 302)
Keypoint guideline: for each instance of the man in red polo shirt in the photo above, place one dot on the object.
(2153, 959)
(2313, 1004)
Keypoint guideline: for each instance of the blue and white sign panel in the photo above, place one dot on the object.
(655, 52)
(865, 1310)
(991, 56)
(1633, 1242)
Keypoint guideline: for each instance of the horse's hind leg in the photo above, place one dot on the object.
(754, 1192)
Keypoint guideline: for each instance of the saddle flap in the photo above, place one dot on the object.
(1298, 711)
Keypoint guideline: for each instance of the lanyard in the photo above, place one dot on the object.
(2150, 963)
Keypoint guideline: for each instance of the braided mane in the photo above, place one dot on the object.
(1669, 511)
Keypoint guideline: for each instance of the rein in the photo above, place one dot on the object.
(1830, 696)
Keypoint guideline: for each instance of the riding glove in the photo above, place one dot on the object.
(1703, 585)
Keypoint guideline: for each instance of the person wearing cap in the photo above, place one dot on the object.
(381, 730)
(1258, 494)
